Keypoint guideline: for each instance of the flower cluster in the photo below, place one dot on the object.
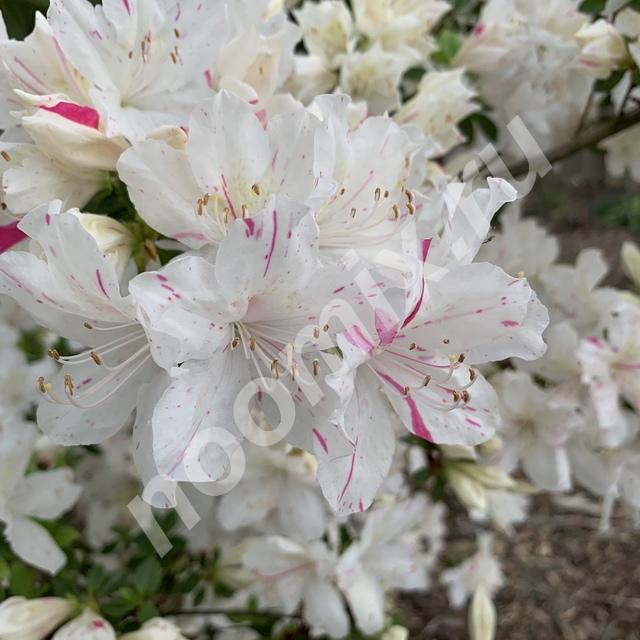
(257, 292)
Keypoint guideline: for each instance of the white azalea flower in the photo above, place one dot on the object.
(536, 427)
(480, 570)
(387, 554)
(301, 574)
(155, 629)
(22, 619)
(400, 24)
(611, 365)
(442, 100)
(603, 48)
(326, 28)
(278, 480)
(74, 289)
(44, 495)
(87, 626)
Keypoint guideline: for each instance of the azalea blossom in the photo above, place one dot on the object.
(22, 619)
(43, 495)
(301, 574)
(74, 289)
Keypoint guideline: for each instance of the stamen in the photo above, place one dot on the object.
(461, 358)
(316, 367)
(235, 342)
(396, 211)
(53, 353)
(252, 343)
(274, 370)
(5, 156)
(68, 385)
(244, 208)
(256, 189)
(411, 209)
(316, 333)
(176, 32)
(353, 212)
(427, 380)
(413, 346)
(407, 391)
(465, 396)
(96, 358)
(40, 385)
(377, 194)
(386, 194)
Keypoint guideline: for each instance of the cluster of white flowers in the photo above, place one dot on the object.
(271, 306)
(572, 416)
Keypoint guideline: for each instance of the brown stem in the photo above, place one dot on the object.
(588, 138)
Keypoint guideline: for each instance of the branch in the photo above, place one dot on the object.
(588, 138)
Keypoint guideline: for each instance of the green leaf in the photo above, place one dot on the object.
(148, 576)
(21, 582)
(65, 535)
(422, 475)
(593, 7)
(147, 611)
(449, 44)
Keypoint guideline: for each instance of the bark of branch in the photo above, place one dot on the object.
(589, 137)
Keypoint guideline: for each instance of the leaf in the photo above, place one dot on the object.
(21, 582)
(449, 44)
(148, 576)
(147, 611)
(65, 535)
(422, 475)
(593, 7)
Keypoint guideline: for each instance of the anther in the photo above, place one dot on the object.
(342, 191)
(96, 358)
(410, 196)
(396, 211)
(473, 374)
(465, 396)
(42, 387)
(274, 370)
(377, 194)
(456, 395)
(87, 325)
(386, 194)
(173, 57)
(244, 210)
(325, 328)
(316, 367)
(461, 358)
(426, 382)
(53, 353)
(411, 208)
(176, 32)
(68, 384)
(252, 343)
(316, 333)
(205, 199)
(413, 346)
(256, 189)
(235, 342)
(407, 391)
(226, 213)
(353, 212)
(5, 156)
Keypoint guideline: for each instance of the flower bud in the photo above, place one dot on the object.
(326, 28)
(490, 477)
(396, 632)
(88, 626)
(603, 48)
(491, 447)
(113, 239)
(631, 261)
(482, 616)
(469, 491)
(156, 629)
(22, 619)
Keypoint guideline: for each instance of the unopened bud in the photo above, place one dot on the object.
(113, 239)
(469, 491)
(631, 262)
(482, 616)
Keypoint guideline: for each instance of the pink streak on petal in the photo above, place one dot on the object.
(100, 283)
(386, 327)
(75, 113)
(208, 78)
(273, 243)
(321, 439)
(510, 323)
(127, 6)
(355, 336)
(418, 426)
(10, 235)
(596, 342)
(426, 245)
(473, 423)
(349, 477)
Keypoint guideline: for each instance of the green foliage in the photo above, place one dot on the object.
(622, 213)
(593, 7)
(449, 44)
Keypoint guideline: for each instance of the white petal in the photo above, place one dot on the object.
(46, 494)
(32, 543)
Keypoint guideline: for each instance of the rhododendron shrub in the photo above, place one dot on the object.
(269, 306)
